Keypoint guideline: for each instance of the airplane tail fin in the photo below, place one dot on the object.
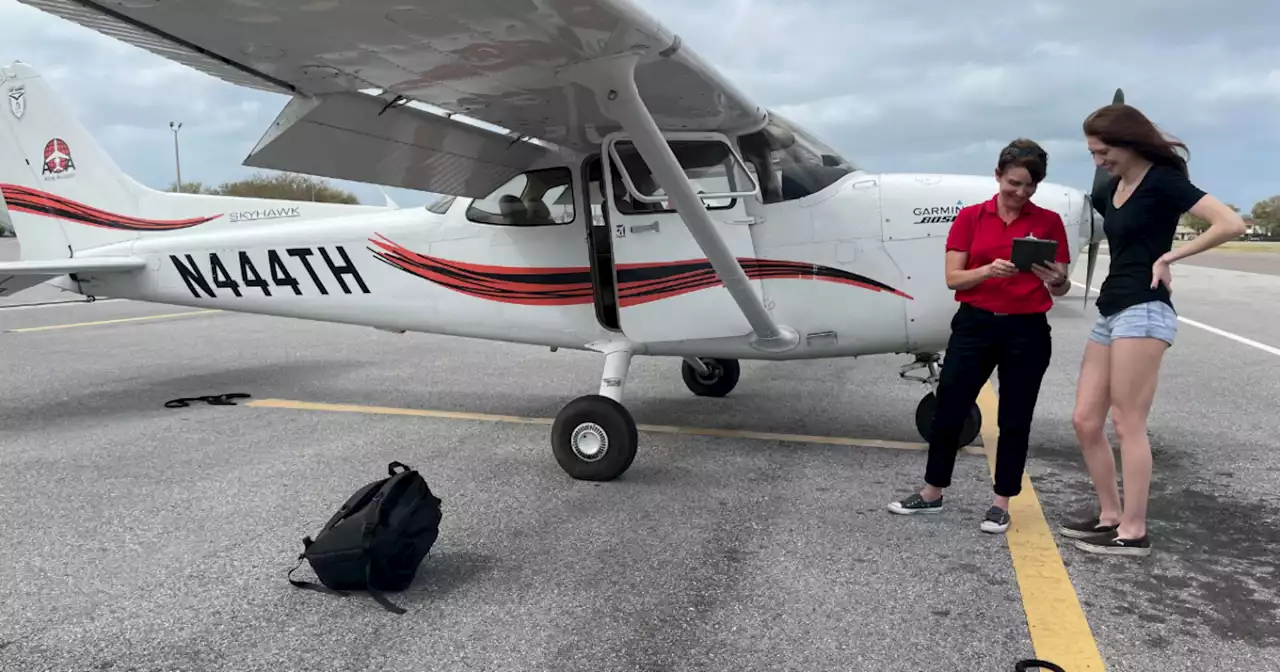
(51, 168)
(65, 194)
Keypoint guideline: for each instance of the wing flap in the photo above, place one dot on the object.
(356, 136)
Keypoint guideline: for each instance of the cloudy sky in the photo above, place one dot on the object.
(928, 85)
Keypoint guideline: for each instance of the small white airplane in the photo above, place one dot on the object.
(639, 205)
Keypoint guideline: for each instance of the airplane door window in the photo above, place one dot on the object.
(715, 171)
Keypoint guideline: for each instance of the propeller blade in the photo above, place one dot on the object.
(1094, 244)
(1095, 237)
(1100, 178)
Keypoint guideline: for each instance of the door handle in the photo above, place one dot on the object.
(638, 228)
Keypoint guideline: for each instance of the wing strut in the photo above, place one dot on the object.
(613, 81)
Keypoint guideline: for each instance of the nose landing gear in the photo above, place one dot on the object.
(710, 377)
(925, 409)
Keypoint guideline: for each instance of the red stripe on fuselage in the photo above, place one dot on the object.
(44, 204)
(638, 283)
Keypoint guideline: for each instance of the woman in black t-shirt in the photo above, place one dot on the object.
(1148, 192)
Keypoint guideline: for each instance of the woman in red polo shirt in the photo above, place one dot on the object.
(1001, 324)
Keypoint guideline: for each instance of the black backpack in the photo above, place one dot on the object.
(376, 541)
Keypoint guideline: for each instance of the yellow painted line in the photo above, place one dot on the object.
(115, 321)
(388, 410)
(661, 429)
(1060, 633)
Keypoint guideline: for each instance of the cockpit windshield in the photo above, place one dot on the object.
(792, 161)
(806, 147)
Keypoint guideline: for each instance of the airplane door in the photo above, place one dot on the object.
(666, 288)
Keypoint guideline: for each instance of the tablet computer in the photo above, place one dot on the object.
(1028, 251)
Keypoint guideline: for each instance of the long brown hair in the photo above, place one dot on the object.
(1121, 125)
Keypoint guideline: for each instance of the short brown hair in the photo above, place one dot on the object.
(1024, 153)
(1121, 125)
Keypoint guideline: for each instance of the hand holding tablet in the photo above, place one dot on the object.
(1030, 251)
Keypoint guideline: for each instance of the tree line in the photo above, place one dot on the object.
(1265, 216)
(282, 186)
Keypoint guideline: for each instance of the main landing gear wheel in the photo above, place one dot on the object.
(718, 378)
(924, 420)
(594, 438)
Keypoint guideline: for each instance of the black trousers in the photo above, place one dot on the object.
(1020, 347)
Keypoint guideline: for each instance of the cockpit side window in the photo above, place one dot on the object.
(536, 198)
(789, 162)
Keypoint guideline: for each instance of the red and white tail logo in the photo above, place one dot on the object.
(57, 158)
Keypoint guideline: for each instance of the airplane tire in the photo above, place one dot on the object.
(723, 377)
(924, 420)
(594, 438)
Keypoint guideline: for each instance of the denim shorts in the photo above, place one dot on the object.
(1153, 319)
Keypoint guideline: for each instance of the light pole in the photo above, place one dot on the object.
(177, 164)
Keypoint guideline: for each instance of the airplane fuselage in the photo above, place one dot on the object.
(859, 271)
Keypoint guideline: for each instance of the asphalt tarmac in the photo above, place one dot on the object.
(1267, 263)
(139, 537)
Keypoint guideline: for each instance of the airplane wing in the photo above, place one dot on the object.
(498, 61)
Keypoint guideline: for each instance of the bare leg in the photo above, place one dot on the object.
(1135, 370)
(1093, 400)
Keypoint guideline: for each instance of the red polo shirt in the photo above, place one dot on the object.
(979, 231)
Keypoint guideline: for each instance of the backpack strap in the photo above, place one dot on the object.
(369, 526)
(306, 542)
(1036, 663)
(378, 594)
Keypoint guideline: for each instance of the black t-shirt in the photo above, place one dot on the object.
(1139, 232)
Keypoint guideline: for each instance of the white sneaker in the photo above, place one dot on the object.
(996, 521)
